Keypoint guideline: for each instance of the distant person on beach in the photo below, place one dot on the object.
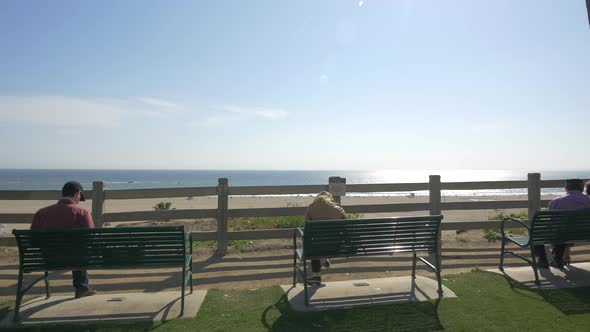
(323, 207)
(573, 199)
(67, 214)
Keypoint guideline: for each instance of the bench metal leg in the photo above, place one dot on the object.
(414, 266)
(19, 296)
(501, 267)
(294, 260)
(183, 285)
(534, 266)
(305, 282)
(438, 277)
(190, 280)
(191, 264)
(47, 290)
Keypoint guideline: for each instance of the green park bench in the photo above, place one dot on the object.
(556, 227)
(44, 250)
(354, 237)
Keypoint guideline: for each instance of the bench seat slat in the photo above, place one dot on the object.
(377, 236)
(44, 250)
(390, 235)
(331, 238)
(372, 226)
(90, 244)
(356, 237)
(377, 251)
(161, 229)
(337, 246)
(101, 247)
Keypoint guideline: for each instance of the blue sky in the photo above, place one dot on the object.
(405, 84)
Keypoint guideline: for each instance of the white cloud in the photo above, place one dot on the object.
(158, 102)
(270, 113)
(361, 3)
(65, 111)
(214, 121)
(60, 111)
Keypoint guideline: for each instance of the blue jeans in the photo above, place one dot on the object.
(80, 280)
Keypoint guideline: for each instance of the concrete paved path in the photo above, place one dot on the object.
(352, 293)
(575, 275)
(107, 307)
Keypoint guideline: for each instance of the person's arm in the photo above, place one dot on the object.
(341, 211)
(36, 224)
(87, 221)
(307, 216)
(551, 204)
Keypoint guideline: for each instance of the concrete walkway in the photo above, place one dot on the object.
(352, 293)
(575, 275)
(107, 307)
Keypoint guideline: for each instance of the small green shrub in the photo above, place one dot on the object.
(354, 215)
(242, 223)
(204, 244)
(501, 215)
(232, 243)
(163, 206)
(240, 243)
(491, 235)
(290, 222)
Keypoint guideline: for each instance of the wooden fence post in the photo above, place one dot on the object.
(98, 203)
(222, 215)
(436, 208)
(435, 195)
(534, 193)
(337, 187)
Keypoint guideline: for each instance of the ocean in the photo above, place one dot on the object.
(44, 179)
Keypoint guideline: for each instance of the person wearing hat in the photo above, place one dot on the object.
(323, 207)
(67, 214)
(573, 199)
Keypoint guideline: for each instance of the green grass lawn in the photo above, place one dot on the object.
(485, 301)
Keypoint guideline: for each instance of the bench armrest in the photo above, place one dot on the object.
(515, 220)
(188, 237)
(299, 232)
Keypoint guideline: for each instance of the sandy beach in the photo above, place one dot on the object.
(253, 202)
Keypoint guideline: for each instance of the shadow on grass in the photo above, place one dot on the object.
(5, 308)
(570, 301)
(105, 326)
(416, 316)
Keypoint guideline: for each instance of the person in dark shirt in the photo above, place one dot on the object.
(573, 199)
(67, 214)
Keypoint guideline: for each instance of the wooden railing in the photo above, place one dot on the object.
(222, 213)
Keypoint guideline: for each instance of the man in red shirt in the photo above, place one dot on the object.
(67, 214)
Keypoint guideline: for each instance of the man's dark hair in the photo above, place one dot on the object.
(574, 184)
(71, 188)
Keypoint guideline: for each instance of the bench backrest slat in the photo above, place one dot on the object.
(351, 237)
(560, 226)
(64, 249)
